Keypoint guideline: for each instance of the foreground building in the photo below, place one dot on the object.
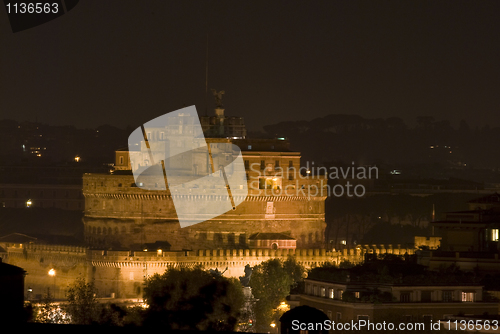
(396, 291)
(469, 239)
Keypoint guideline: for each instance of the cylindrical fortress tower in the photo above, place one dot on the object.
(280, 198)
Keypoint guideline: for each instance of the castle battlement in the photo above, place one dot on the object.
(122, 272)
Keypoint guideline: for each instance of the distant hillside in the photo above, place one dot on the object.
(350, 138)
(51, 225)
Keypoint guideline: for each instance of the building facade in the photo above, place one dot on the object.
(282, 197)
(406, 303)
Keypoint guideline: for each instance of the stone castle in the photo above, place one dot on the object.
(132, 233)
(118, 214)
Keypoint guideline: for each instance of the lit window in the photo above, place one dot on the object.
(467, 296)
(331, 293)
(270, 183)
(494, 234)
(323, 292)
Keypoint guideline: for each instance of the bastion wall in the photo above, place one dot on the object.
(121, 274)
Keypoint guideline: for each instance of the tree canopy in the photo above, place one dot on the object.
(271, 282)
(192, 299)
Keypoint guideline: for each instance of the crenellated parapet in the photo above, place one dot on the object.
(122, 272)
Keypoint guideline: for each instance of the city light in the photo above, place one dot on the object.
(28, 203)
(77, 158)
(52, 272)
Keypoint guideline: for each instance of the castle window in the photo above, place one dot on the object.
(121, 160)
(277, 164)
(262, 164)
(270, 183)
(242, 239)
(247, 164)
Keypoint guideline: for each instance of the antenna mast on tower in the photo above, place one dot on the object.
(206, 81)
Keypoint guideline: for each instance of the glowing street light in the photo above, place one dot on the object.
(52, 272)
(283, 306)
(77, 158)
(29, 203)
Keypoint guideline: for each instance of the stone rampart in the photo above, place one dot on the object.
(121, 274)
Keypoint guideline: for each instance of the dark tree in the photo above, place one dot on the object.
(192, 299)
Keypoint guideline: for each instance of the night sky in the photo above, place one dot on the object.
(126, 62)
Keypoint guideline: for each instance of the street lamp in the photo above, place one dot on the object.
(52, 272)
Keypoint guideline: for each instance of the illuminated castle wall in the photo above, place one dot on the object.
(280, 199)
(121, 274)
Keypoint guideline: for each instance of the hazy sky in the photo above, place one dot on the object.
(125, 62)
